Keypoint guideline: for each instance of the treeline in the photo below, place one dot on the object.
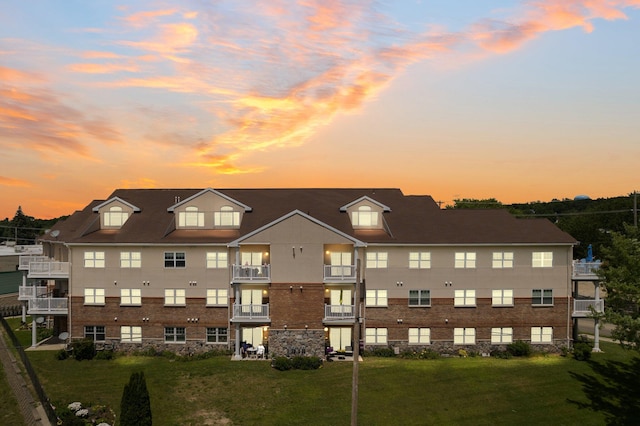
(24, 229)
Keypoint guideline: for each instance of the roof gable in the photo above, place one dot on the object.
(114, 200)
(365, 198)
(209, 191)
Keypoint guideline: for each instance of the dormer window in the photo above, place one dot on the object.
(226, 217)
(115, 217)
(191, 217)
(364, 217)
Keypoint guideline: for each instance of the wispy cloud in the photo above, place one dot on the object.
(7, 181)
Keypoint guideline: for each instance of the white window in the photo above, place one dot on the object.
(542, 297)
(175, 335)
(175, 259)
(376, 298)
(217, 297)
(94, 296)
(94, 332)
(191, 217)
(217, 335)
(131, 296)
(419, 260)
(502, 259)
(542, 259)
(465, 259)
(419, 297)
(251, 258)
(464, 298)
(377, 259)
(364, 217)
(464, 336)
(419, 336)
(226, 217)
(376, 336)
(341, 264)
(502, 297)
(115, 217)
(94, 259)
(217, 259)
(175, 296)
(501, 335)
(541, 334)
(130, 334)
(130, 259)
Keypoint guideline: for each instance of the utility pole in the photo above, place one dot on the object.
(356, 349)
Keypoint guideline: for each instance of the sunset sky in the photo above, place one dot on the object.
(515, 100)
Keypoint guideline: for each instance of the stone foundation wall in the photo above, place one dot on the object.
(447, 348)
(189, 348)
(296, 343)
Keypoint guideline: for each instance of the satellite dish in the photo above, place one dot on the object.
(63, 336)
(55, 233)
(40, 320)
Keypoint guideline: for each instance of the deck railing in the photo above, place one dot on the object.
(586, 307)
(25, 260)
(339, 312)
(48, 305)
(252, 273)
(339, 273)
(252, 311)
(30, 291)
(585, 269)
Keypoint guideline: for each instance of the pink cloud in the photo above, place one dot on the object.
(7, 181)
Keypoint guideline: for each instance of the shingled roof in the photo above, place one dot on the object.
(411, 219)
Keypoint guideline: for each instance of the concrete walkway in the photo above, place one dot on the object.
(31, 410)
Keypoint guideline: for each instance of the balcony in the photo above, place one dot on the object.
(29, 292)
(48, 306)
(585, 270)
(25, 260)
(339, 274)
(583, 308)
(252, 273)
(250, 313)
(339, 313)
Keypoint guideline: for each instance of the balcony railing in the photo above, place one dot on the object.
(250, 312)
(252, 273)
(585, 307)
(585, 269)
(48, 306)
(25, 260)
(341, 273)
(339, 312)
(29, 292)
(48, 269)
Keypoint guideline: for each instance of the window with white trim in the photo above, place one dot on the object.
(217, 259)
(174, 297)
(376, 336)
(131, 296)
(226, 217)
(419, 336)
(502, 259)
(130, 259)
(502, 297)
(94, 332)
(175, 335)
(464, 298)
(419, 297)
(376, 298)
(542, 259)
(542, 297)
(94, 296)
(419, 260)
(464, 336)
(377, 259)
(217, 335)
(541, 334)
(217, 297)
(94, 259)
(465, 259)
(114, 217)
(191, 217)
(130, 334)
(501, 335)
(364, 217)
(175, 259)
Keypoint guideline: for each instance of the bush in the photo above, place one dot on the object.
(582, 349)
(43, 333)
(497, 353)
(519, 348)
(135, 406)
(382, 352)
(105, 355)
(423, 354)
(84, 349)
(296, 363)
(281, 363)
(61, 355)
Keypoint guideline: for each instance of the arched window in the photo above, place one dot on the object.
(364, 217)
(115, 216)
(227, 217)
(191, 217)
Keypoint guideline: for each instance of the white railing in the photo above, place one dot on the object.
(48, 305)
(584, 269)
(251, 273)
(26, 260)
(583, 307)
(251, 311)
(29, 292)
(339, 312)
(339, 272)
(48, 269)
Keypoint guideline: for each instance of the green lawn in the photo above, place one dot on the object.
(478, 391)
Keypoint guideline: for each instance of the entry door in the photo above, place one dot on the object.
(338, 298)
(252, 335)
(339, 338)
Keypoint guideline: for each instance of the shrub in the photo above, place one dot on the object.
(62, 355)
(84, 349)
(135, 406)
(43, 333)
(582, 349)
(519, 348)
(106, 355)
(382, 352)
(497, 353)
(296, 363)
(281, 363)
(462, 353)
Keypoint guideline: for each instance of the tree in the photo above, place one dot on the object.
(621, 277)
(473, 203)
(135, 406)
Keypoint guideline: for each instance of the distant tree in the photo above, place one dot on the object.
(474, 203)
(135, 406)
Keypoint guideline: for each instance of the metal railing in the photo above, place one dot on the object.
(48, 269)
(585, 307)
(252, 273)
(251, 311)
(339, 312)
(25, 260)
(31, 291)
(339, 272)
(581, 269)
(48, 305)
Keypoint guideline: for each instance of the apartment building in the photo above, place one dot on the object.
(188, 270)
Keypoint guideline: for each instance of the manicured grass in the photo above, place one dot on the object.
(479, 391)
(9, 412)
